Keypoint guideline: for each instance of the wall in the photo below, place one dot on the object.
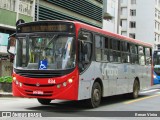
(145, 16)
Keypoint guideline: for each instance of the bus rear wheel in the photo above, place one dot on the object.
(44, 101)
(136, 88)
(95, 96)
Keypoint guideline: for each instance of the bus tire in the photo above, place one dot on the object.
(136, 88)
(44, 101)
(96, 96)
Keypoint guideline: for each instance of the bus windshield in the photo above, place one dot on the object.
(45, 52)
(156, 62)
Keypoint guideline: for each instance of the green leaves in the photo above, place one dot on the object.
(6, 79)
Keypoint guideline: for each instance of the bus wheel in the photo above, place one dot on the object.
(44, 101)
(95, 96)
(136, 89)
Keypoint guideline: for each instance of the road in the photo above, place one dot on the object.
(147, 103)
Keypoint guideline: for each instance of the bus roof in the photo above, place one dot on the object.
(110, 34)
(98, 30)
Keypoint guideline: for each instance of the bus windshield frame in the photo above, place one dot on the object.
(45, 51)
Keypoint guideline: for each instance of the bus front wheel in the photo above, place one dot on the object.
(44, 101)
(95, 96)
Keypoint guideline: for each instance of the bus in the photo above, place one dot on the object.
(70, 60)
(156, 64)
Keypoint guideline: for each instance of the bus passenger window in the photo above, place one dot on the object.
(148, 57)
(141, 55)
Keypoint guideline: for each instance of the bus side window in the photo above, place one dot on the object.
(115, 55)
(98, 45)
(134, 54)
(85, 50)
(148, 56)
(105, 51)
(141, 55)
(125, 52)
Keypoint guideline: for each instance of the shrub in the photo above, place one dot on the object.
(6, 79)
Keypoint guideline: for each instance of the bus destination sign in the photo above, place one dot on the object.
(45, 28)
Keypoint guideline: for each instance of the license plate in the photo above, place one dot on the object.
(38, 92)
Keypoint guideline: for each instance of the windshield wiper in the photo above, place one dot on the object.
(53, 38)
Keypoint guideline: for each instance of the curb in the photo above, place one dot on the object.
(6, 94)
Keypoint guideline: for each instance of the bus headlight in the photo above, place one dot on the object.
(14, 79)
(59, 85)
(65, 84)
(20, 84)
(70, 80)
(154, 76)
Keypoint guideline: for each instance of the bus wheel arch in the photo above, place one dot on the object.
(96, 94)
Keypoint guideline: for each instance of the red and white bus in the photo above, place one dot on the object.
(70, 60)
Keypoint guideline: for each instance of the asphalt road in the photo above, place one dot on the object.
(114, 107)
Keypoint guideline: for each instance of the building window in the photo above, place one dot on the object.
(155, 2)
(133, 1)
(8, 4)
(132, 24)
(155, 12)
(25, 7)
(158, 15)
(132, 35)
(133, 12)
(124, 33)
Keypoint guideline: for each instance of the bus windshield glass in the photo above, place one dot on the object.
(45, 52)
(156, 62)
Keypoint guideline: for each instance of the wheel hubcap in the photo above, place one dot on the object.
(96, 95)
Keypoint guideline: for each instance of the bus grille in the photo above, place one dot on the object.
(44, 85)
(37, 75)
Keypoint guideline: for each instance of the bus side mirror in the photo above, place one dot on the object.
(11, 42)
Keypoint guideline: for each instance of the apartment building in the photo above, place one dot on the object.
(86, 11)
(140, 19)
(10, 12)
(111, 16)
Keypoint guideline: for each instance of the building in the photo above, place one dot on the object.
(140, 19)
(111, 16)
(10, 12)
(86, 11)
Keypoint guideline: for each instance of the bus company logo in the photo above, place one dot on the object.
(37, 84)
(6, 114)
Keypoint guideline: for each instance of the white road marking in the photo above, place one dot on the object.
(149, 91)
